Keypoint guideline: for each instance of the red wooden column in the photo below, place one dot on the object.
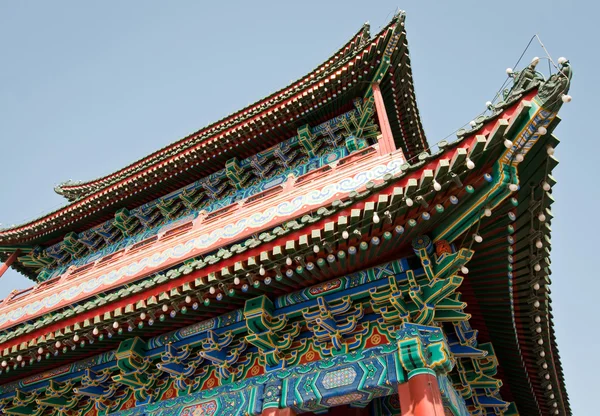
(406, 404)
(387, 140)
(9, 261)
(421, 395)
(278, 412)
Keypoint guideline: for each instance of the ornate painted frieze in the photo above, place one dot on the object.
(226, 231)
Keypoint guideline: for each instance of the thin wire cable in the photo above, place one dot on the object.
(508, 78)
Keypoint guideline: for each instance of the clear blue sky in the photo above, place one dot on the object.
(88, 87)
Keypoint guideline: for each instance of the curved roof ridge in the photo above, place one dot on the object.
(360, 48)
(73, 191)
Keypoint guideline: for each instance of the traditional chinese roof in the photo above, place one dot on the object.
(495, 297)
(325, 92)
(488, 193)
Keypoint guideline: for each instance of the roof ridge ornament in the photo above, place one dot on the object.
(553, 93)
(523, 80)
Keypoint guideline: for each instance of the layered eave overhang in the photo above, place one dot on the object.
(324, 93)
(507, 293)
(503, 306)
